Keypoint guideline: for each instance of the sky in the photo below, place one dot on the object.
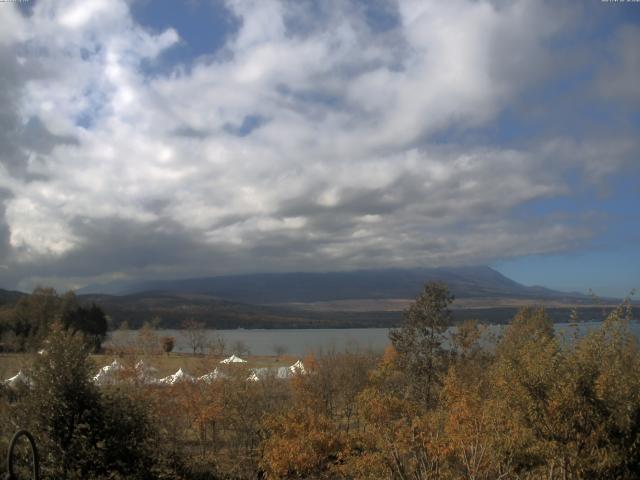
(169, 139)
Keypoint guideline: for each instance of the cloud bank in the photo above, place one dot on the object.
(321, 136)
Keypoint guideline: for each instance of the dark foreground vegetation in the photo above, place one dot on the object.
(26, 322)
(527, 405)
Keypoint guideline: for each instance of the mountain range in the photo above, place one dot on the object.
(364, 298)
(278, 288)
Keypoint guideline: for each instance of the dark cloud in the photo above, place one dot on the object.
(5, 231)
(21, 140)
(117, 245)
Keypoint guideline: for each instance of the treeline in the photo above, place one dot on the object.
(524, 405)
(25, 324)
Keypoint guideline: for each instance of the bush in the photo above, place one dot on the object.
(84, 432)
(167, 344)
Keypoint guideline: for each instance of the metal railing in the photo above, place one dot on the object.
(35, 466)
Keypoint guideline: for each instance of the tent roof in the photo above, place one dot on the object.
(179, 376)
(18, 378)
(233, 359)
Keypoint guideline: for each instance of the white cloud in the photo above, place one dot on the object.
(337, 173)
(620, 77)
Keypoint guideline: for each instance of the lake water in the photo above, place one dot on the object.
(302, 341)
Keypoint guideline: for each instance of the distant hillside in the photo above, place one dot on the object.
(171, 309)
(9, 297)
(278, 288)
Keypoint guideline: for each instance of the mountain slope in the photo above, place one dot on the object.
(172, 309)
(270, 288)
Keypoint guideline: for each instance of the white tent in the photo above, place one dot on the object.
(115, 366)
(107, 374)
(297, 367)
(19, 379)
(283, 372)
(145, 373)
(103, 378)
(233, 359)
(143, 367)
(179, 376)
(209, 377)
(259, 374)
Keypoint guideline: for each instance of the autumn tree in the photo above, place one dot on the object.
(572, 408)
(399, 438)
(303, 441)
(147, 339)
(465, 339)
(167, 344)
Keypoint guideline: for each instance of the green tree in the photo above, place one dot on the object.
(418, 342)
(126, 440)
(83, 432)
(90, 321)
(64, 404)
(33, 316)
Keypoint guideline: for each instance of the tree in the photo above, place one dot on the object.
(240, 348)
(31, 319)
(572, 408)
(122, 340)
(90, 321)
(147, 339)
(64, 402)
(126, 438)
(82, 432)
(466, 339)
(167, 344)
(196, 335)
(33, 316)
(216, 344)
(279, 350)
(419, 340)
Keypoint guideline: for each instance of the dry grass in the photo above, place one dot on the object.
(11, 363)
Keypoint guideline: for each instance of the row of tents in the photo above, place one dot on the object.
(112, 373)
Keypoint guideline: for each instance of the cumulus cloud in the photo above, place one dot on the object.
(306, 142)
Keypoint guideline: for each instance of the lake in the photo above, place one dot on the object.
(302, 341)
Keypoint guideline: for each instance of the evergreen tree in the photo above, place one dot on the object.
(419, 341)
